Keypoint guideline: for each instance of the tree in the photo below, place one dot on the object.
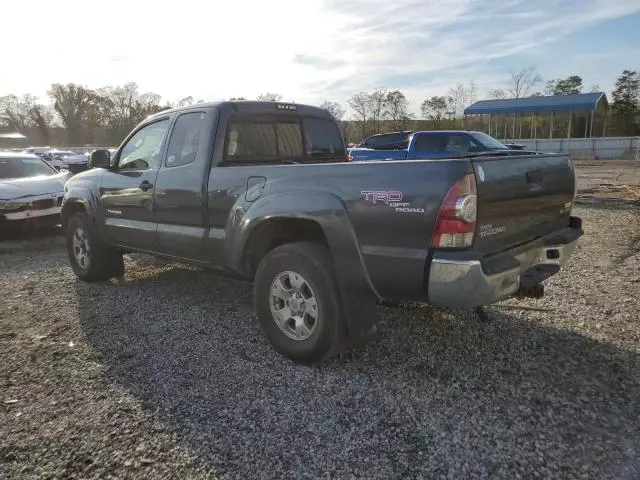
(567, 86)
(396, 109)
(14, 111)
(120, 108)
(498, 93)
(376, 101)
(457, 96)
(359, 103)
(146, 104)
(186, 101)
(435, 108)
(471, 94)
(71, 102)
(626, 102)
(334, 109)
(41, 116)
(269, 97)
(522, 82)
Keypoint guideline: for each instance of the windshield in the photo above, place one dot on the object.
(488, 141)
(24, 168)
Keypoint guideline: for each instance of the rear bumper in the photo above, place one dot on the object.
(470, 283)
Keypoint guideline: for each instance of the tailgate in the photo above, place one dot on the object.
(521, 198)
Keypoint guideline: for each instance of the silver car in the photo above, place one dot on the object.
(30, 189)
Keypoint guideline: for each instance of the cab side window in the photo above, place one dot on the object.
(184, 142)
(430, 143)
(458, 144)
(143, 150)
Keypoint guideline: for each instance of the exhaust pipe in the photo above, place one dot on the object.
(537, 291)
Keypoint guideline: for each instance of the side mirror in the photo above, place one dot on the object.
(100, 159)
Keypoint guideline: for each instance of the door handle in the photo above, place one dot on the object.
(146, 185)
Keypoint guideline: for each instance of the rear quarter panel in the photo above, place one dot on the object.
(390, 205)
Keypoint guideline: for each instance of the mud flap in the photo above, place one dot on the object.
(359, 301)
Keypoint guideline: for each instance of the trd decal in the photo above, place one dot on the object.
(392, 199)
(382, 197)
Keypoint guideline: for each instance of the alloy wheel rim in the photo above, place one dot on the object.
(81, 248)
(294, 305)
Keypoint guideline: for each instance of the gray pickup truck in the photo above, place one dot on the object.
(264, 191)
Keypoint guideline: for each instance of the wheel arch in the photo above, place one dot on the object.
(307, 216)
(70, 208)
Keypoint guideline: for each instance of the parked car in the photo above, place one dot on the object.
(263, 191)
(427, 144)
(30, 189)
(67, 159)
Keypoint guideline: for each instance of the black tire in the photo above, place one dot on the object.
(314, 263)
(104, 262)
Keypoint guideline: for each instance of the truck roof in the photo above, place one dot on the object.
(254, 106)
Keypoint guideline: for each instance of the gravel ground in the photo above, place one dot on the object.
(165, 374)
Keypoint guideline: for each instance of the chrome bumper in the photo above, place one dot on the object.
(465, 284)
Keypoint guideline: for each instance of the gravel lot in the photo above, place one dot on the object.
(165, 374)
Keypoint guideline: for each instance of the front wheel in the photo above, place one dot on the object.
(90, 259)
(297, 302)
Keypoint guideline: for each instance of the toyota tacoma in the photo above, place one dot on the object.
(264, 191)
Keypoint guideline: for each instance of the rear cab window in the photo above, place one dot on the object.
(277, 139)
(391, 141)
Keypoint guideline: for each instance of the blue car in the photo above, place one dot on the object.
(427, 144)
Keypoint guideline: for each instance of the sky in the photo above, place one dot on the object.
(312, 50)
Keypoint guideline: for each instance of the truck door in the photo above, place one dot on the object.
(127, 189)
(179, 199)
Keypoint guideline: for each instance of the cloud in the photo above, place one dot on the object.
(415, 46)
(317, 62)
(310, 51)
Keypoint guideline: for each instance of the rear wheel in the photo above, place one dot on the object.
(90, 259)
(297, 302)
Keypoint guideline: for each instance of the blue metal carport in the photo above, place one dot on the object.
(541, 104)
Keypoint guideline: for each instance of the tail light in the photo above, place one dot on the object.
(456, 220)
(349, 157)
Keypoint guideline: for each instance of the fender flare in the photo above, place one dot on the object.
(358, 295)
(86, 198)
